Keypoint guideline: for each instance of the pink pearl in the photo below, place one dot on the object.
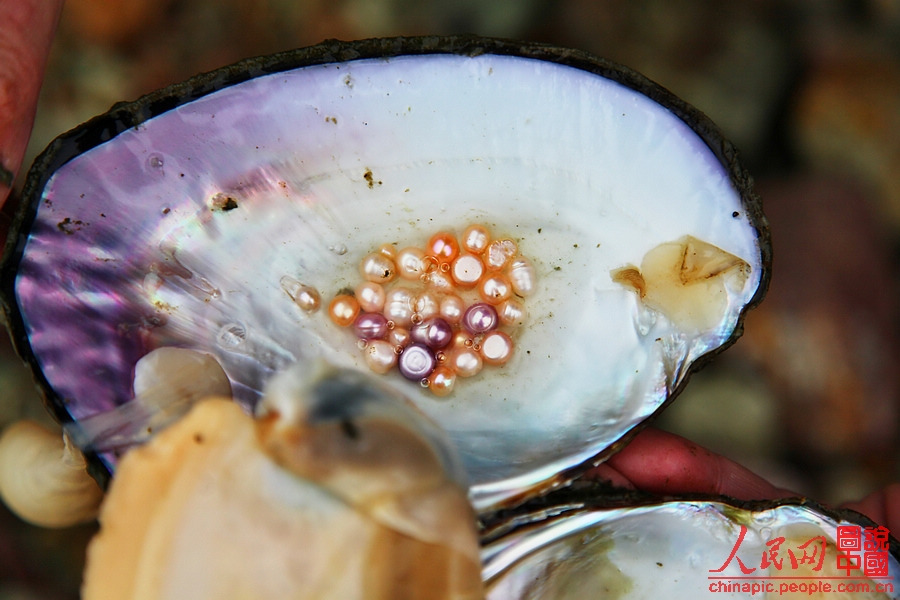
(370, 326)
(435, 333)
(427, 305)
(522, 276)
(370, 296)
(465, 361)
(452, 308)
(398, 306)
(479, 318)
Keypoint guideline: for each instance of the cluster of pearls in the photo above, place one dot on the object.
(440, 312)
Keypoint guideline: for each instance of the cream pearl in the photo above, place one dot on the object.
(522, 276)
(380, 356)
(496, 348)
(452, 308)
(512, 313)
(411, 263)
(476, 238)
(399, 306)
(370, 296)
(495, 289)
(378, 268)
(465, 361)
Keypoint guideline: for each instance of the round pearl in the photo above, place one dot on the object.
(452, 308)
(435, 333)
(399, 337)
(380, 356)
(388, 250)
(370, 296)
(495, 289)
(480, 317)
(427, 305)
(466, 270)
(476, 238)
(443, 246)
(370, 326)
(465, 361)
(499, 252)
(512, 312)
(410, 263)
(522, 276)
(398, 306)
(441, 381)
(343, 310)
(416, 362)
(377, 268)
(496, 348)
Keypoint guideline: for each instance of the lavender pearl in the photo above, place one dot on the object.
(370, 326)
(436, 333)
(416, 362)
(479, 318)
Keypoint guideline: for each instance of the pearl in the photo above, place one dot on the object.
(343, 310)
(511, 312)
(499, 252)
(377, 268)
(427, 305)
(370, 296)
(476, 238)
(443, 246)
(435, 333)
(479, 318)
(465, 361)
(399, 337)
(380, 356)
(495, 289)
(410, 263)
(522, 276)
(398, 306)
(438, 280)
(496, 348)
(466, 270)
(441, 381)
(370, 326)
(416, 362)
(388, 250)
(452, 308)
(304, 296)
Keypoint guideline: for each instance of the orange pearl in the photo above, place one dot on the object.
(441, 381)
(496, 348)
(443, 246)
(343, 310)
(476, 238)
(495, 289)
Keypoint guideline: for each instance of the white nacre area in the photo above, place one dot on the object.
(315, 168)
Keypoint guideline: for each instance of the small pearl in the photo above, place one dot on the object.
(370, 326)
(377, 268)
(399, 337)
(522, 276)
(461, 339)
(443, 246)
(495, 289)
(435, 333)
(398, 306)
(496, 348)
(427, 305)
(438, 280)
(388, 250)
(479, 318)
(511, 312)
(476, 238)
(441, 381)
(416, 362)
(380, 356)
(343, 310)
(370, 296)
(466, 270)
(499, 252)
(452, 308)
(304, 296)
(465, 361)
(410, 263)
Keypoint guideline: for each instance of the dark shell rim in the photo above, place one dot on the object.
(126, 115)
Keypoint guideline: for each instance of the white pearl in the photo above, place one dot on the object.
(496, 348)
(522, 276)
(427, 305)
(410, 263)
(377, 268)
(452, 308)
(380, 356)
(398, 306)
(370, 296)
(466, 270)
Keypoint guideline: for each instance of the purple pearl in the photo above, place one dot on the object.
(416, 362)
(479, 318)
(370, 326)
(436, 333)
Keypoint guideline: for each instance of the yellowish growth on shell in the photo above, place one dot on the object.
(43, 478)
(203, 511)
(687, 281)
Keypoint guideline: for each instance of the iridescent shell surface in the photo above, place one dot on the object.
(174, 220)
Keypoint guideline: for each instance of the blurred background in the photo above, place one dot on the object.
(808, 91)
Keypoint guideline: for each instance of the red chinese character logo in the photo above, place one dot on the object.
(744, 569)
(813, 553)
(875, 544)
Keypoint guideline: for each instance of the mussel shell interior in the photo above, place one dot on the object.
(124, 247)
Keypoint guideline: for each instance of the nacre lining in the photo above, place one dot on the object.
(180, 231)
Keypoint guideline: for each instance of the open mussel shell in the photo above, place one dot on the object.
(583, 543)
(176, 220)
